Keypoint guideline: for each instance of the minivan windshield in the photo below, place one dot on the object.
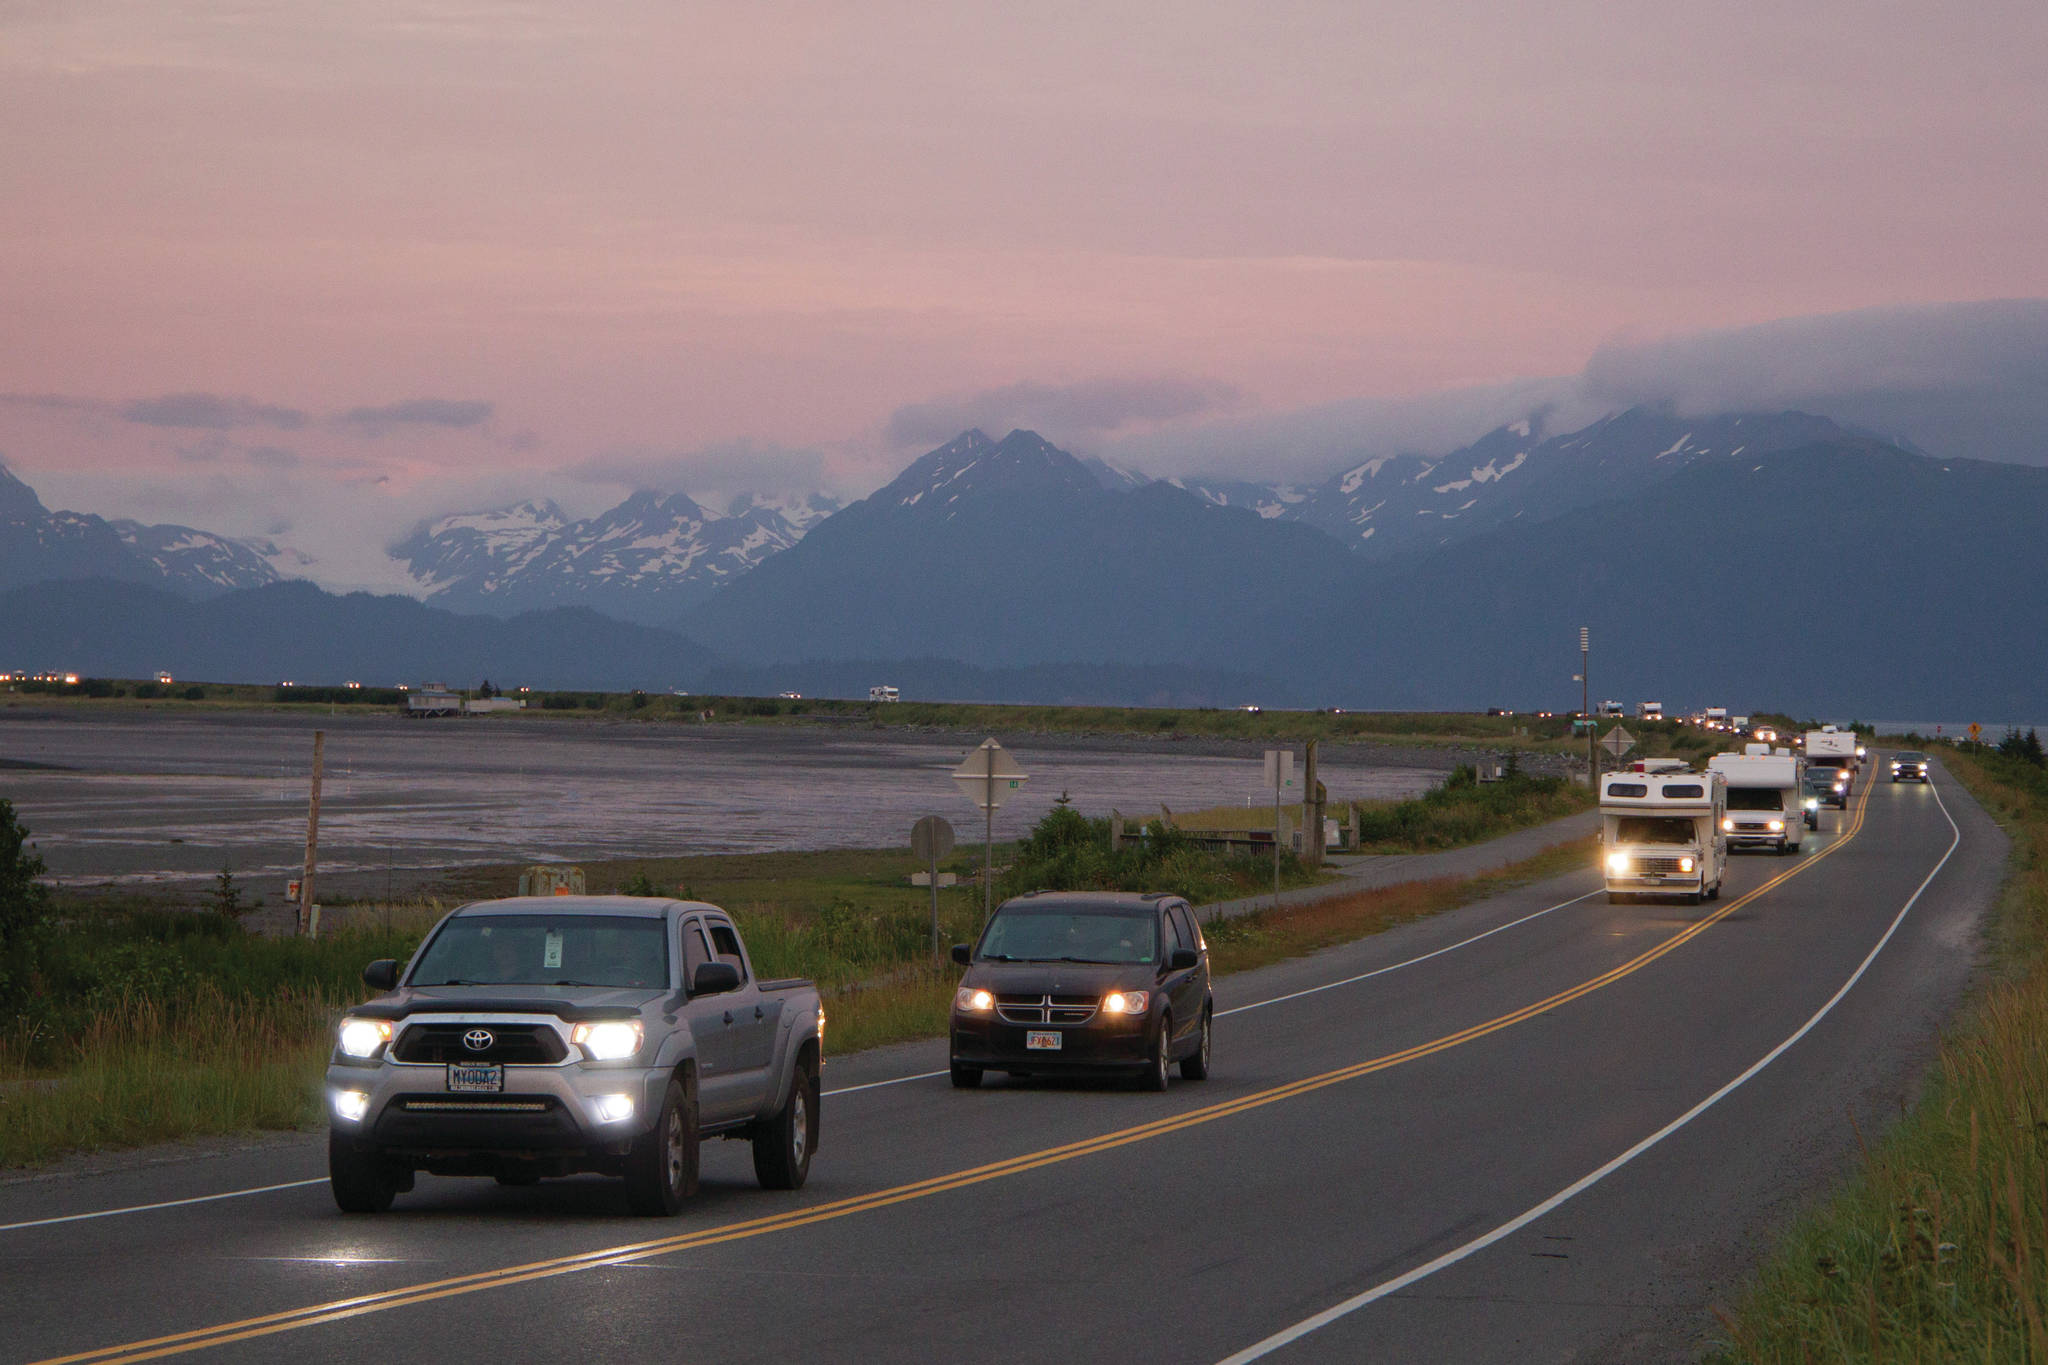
(1653, 829)
(543, 950)
(1027, 933)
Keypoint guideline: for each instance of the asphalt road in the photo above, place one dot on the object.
(1376, 1165)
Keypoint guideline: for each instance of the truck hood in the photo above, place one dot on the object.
(564, 1002)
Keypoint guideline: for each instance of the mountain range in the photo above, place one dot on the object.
(1750, 558)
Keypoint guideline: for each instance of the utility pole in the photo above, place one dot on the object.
(306, 926)
(1586, 707)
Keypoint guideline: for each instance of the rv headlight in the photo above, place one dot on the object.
(1775, 826)
(1618, 864)
(1727, 822)
(1685, 864)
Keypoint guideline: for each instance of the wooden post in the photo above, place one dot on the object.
(306, 925)
(1312, 796)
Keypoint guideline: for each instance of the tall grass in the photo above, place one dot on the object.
(1937, 1250)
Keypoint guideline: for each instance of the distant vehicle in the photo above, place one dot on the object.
(1250, 708)
(1909, 766)
(1611, 708)
(549, 1035)
(1649, 710)
(1739, 722)
(1831, 748)
(1661, 835)
(1764, 799)
(1081, 982)
(884, 692)
(790, 696)
(1659, 765)
(432, 701)
(1827, 787)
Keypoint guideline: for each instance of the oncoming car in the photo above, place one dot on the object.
(1908, 766)
(1084, 983)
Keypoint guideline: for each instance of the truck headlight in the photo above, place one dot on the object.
(1617, 864)
(362, 1037)
(610, 1041)
(351, 1105)
(1685, 864)
(1125, 1002)
(1813, 803)
(1775, 826)
(1727, 823)
(973, 1001)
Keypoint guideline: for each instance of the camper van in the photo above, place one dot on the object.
(1828, 747)
(884, 692)
(1764, 799)
(1661, 835)
(1649, 710)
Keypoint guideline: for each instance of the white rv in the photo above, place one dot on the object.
(1828, 747)
(884, 692)
(1660, 835)
(1764, 798)
(1649, 710)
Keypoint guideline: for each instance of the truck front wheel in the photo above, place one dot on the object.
(661, 1168)
(783, 1144)
(361, 1182)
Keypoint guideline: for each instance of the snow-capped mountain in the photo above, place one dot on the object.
(643, 560)
(200, 563)
(38, 545)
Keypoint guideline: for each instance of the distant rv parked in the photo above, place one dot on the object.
(1649, 710)
(884, 692)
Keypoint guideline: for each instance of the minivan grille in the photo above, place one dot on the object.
(513, 1044)
(1046, 1009)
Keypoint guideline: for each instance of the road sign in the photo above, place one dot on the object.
(1279, 768)
(1618, 741)
(931, 839)
(1976, 732)
(988, 776)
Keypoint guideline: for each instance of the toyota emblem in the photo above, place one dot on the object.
(478, 1040)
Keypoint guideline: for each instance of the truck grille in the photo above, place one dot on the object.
(477, 1104)
(1658, 865)
(1046, 1009)
(513, 1044)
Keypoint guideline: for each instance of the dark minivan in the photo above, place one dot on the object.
(1084, 982)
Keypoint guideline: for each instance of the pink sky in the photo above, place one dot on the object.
(643, 229)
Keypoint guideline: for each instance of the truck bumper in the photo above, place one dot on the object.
(543, 1110)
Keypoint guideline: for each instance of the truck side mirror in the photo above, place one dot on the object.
(963, 953)
(715, 978)
(381, 975)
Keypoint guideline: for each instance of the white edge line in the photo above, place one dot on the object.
(166, 1204)
(1351, 1305)
(843, 1090)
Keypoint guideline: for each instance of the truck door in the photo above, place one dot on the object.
(755, 1018)
(711, 1026)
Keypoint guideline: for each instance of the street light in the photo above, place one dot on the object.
(1586, 707)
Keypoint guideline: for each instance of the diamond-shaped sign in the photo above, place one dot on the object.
(1618, 741)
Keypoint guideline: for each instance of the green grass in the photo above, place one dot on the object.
(1937, 1247)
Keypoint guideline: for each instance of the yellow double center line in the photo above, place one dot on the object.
(312, 1316)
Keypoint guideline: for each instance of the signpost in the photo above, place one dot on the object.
(309, 924)
(987, 777)
(932, 839)
(1976, 732)
(1618, 741)
(1279, 774)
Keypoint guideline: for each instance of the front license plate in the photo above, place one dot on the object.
(1042, 1042)
(484, 1076)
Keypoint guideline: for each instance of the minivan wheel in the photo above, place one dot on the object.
(1156, 1073)
(783, 1144)
(362, 1183)
(1195, 1067)
(661, 1167)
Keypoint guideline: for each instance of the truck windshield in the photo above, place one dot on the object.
(1755, 798)
(537, 950)
(1053, 934)
(1653, 829)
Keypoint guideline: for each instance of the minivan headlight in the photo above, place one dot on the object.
(1125, 1002)
(362, 1037)
(611, 1040)
(973, 1001)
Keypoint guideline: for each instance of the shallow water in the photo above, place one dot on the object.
(146, 798)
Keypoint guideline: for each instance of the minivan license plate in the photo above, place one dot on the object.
(481, 1076)
(1042, 1042)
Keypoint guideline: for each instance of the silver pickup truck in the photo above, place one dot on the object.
(546, 1036)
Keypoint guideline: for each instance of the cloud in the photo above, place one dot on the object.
(209, 412)
(719, 470)
(271, 457)
(1061, 412)
(1991, 345)
(425, 412)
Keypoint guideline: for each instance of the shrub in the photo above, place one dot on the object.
(24, 903)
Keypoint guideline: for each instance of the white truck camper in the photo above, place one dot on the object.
(1763, 799)
(1831, 748)
(1661, 836)
(1649, 710)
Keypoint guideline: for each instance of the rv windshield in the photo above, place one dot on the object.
(1653, 829)
(1755, 798)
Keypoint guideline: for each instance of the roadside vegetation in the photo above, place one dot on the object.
(1462, 811)
(1937, 1248)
